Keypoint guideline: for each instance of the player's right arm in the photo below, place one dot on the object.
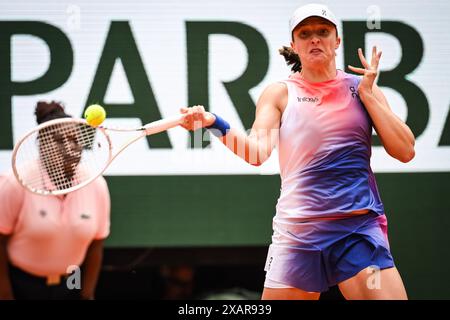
(11, 199)
(5, 283)
(256, 147)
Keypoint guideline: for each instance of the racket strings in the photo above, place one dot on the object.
(67, 154)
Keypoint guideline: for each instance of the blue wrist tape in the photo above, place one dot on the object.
(220, 127)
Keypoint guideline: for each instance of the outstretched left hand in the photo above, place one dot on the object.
(369, 71)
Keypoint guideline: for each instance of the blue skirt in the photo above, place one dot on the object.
(327, 252)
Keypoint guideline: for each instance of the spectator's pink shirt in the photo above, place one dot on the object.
(50, 233)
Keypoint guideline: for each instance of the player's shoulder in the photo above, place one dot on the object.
(100, 184)
(9, 186)
(5, 175)
(277, 89)
(274, 95)
(9, 178)
(348, 77)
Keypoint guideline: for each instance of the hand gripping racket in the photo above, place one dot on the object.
(64, 155)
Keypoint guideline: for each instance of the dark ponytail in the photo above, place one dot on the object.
(48, 111)
(292, 58)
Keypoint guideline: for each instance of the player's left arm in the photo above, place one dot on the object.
(91, 269)
(396, 137)
(93, 262)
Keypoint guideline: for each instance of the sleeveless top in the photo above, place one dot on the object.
(324, 152)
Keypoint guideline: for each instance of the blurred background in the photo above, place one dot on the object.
(189, 220)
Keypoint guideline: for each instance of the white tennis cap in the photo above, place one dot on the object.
(311, 10)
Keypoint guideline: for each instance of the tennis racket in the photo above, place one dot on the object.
(64, 155)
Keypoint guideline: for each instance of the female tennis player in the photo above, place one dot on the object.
(329, 227)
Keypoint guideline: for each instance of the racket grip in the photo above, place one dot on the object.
(162, 125)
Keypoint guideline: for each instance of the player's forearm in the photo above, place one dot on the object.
(5, 283)
(397, 138)
(251, 148)
(91, 269)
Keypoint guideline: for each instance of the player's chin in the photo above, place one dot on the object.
(319, 59)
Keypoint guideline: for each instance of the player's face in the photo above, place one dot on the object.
(66, 150)
(315, 41)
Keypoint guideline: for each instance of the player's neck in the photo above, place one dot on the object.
(319, 75)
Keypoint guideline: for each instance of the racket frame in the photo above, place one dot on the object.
(148, 129)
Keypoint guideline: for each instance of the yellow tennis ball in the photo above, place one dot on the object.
(95, 115)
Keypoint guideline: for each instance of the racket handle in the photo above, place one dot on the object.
(162, 125)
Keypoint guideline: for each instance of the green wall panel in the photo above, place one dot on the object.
(192, 210)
